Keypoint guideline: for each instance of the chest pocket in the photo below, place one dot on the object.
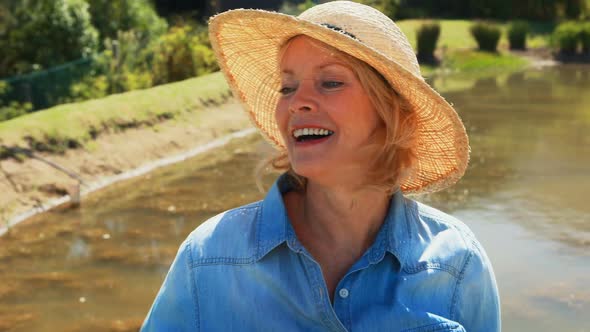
(439, 327)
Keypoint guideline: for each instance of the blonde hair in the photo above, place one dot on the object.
(395, 155)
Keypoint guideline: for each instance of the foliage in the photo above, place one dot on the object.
(45, 33)
(112, 16)
(123, 63)
(427, 37)
(573, 8)
(497, 9)
(585, 37)
(90, 87)
(571, 36)
(517, 32)
(387, 7)
(567, 35)
(12, 109)
(183, 52)
(120, 67)
(129, 63)
(486, 35)
(291, 8)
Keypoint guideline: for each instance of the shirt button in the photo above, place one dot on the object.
(343, 293)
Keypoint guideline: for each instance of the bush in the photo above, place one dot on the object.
(182, 53)
(124, 63)
(486, 35)
(566, 36)
(45, 33)
(112, 16)
(585, 37)
(12, 109)
(427, 37)
(91, 87)
(517, 32)
(127, 63)
(122, 66)
(295, 7)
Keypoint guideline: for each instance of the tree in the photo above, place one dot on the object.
(111, 16)
(45, 33)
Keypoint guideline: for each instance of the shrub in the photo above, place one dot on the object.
(122, 66)
(566, 36)
(517, 32)
(112, 16)
(123, 62)
(295, 7)
(427, 37)
(486, 35)
(12, 109)
(585, 37)
(91, 87)
(45, 33)
(182, 53)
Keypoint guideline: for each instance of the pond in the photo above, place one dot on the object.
(525, 196)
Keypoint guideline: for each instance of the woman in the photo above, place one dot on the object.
(334, 246)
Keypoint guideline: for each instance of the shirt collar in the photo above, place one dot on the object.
(274, 228)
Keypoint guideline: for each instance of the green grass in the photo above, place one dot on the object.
(475, 61)
(72, 125)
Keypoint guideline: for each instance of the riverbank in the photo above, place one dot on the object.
(31, 183)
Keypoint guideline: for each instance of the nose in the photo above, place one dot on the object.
(304, 98)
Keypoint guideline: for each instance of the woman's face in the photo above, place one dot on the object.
(324, 114)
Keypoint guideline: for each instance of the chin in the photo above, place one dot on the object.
(318, 172)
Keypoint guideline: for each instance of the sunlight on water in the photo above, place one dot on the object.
(524, 195)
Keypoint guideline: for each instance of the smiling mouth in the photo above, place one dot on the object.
(308, 134)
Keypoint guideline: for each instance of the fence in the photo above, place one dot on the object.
(49, 87)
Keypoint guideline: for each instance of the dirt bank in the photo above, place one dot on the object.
(30, 183)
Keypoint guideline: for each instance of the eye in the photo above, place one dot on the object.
(331, 84)
(286, 90)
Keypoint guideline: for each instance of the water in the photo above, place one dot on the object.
(524, 195)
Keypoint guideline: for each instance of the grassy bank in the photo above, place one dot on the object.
(74, 125)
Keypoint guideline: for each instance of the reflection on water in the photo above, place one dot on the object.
(524, 195)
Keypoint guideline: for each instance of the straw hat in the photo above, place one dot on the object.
(247, 42)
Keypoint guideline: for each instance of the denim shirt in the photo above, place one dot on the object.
(245, 270)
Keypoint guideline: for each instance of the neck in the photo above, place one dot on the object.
(344, 217)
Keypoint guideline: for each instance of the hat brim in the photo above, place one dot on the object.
(247, 43)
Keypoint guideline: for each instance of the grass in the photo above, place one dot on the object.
(74, 125)
(472, 61)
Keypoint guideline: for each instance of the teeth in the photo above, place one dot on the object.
(311, 131)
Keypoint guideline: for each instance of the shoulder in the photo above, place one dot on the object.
(440, 240)
(228, 237)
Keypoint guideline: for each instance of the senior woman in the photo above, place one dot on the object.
(335, 245)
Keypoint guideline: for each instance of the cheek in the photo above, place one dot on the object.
(282, 116)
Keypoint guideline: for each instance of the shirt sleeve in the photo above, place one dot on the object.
(175, 307)
(476, 303)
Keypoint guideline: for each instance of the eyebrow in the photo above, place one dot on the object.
(290, 72)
